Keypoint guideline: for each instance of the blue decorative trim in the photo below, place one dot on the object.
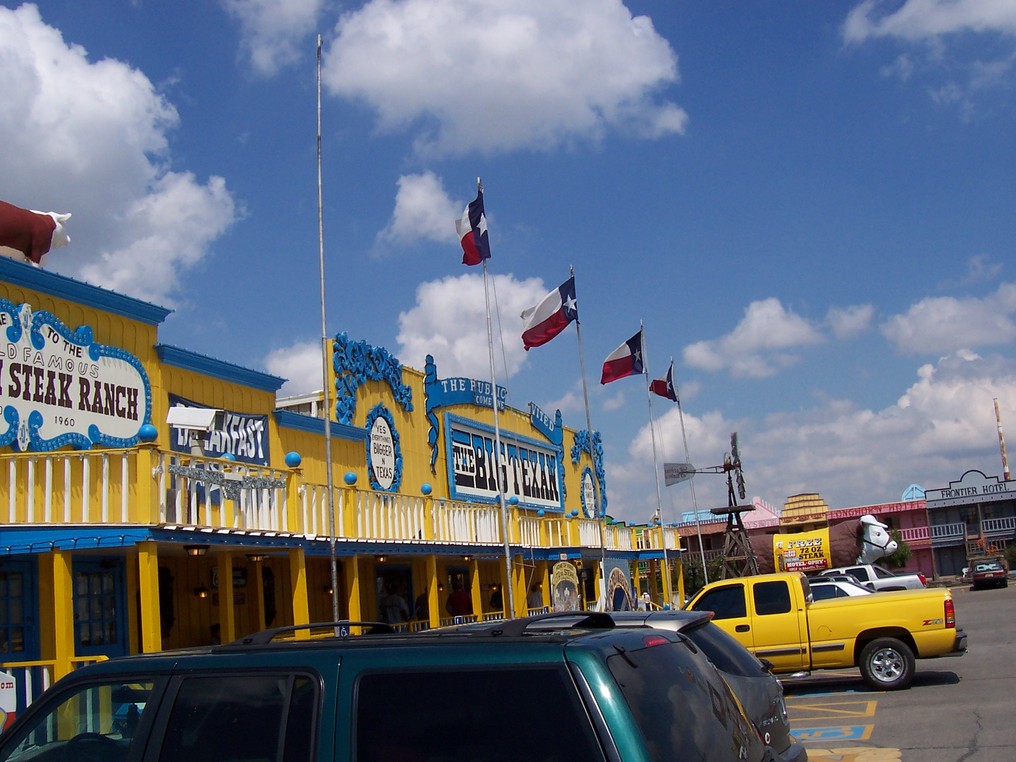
(24, 435)
(380, 411)
(208, 366)
(44, 281)
(287, 419)
(582, 446)
(355, 363)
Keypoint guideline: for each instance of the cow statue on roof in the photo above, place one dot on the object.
(30, 235)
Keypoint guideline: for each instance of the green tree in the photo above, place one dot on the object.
(899, 558)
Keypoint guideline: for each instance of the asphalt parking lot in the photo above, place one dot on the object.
(956, 709)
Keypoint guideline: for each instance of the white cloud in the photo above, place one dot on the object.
(757, 345)
(850, 321)
(942, 425)
(271, 31)
(300, 364)
(946, 324)
(423, 211)
(492, 76)
(920, 19)
(70, 126)
(449, 321)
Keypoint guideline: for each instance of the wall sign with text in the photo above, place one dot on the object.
(59, 388)
(384, 455)
(529, 469)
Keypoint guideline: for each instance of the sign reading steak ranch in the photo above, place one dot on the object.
(59, 388)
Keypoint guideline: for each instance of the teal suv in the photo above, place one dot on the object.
(523, 689)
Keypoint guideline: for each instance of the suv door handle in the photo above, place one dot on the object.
(742, 628)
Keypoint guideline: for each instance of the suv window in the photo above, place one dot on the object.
(255, 717)
(676, 705)
(461, 713)
(724, 650)
(96, 722)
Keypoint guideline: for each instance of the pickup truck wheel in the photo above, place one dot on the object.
(887, 664)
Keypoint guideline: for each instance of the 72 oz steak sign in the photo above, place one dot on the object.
(59, 388)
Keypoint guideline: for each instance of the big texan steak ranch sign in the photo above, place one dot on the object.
(59, 388)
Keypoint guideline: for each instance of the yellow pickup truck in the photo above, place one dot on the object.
(775, 618)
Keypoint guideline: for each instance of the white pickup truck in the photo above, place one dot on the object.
(878, 578)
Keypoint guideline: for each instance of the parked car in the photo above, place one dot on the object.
(824, 588)
(751, 679)
(879, 578)
(990, 573)
(587, 690)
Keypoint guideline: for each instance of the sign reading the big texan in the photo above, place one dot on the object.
(60, 388)
(529, 470)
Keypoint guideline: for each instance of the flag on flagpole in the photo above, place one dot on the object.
(551, 316)
(624, 361)
(472, 229)
(665, 386)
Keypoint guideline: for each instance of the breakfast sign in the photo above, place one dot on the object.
(59, 388)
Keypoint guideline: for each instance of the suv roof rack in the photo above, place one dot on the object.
(340, 629)
(529, 625)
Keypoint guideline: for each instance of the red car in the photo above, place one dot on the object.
(989, 574)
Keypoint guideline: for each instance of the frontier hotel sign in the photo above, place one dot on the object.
(973, 487)
(59, 388)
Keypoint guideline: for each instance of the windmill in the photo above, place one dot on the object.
(738, 556)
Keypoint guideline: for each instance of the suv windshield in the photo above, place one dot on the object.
(675, 708)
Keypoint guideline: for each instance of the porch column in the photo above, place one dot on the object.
(354, 583)
(150, 614)
(56, 611)
(298, 587)
(433, 600)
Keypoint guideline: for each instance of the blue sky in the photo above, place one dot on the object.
(811, 206)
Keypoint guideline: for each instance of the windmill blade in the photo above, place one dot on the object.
(736, 457)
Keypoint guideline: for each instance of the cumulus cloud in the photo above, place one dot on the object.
(299, 364)
(70, 126)
(449, 321)
(491, 76)
(758, 346)
(942, 425)
(272, 31)
(850, 321)
(921, 19)
(943, 324)
(423, 211)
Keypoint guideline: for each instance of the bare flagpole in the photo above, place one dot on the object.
(508, 604)
(597, 501)
(656, 465)
(324, 361)
(691, 481)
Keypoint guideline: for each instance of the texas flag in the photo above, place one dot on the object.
(626, 360)
(665, 386)
(472, 228)
(551, 316)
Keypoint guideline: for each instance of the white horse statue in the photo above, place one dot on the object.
(876, 542)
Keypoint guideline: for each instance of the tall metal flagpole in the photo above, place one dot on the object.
(592, 456)
(324, 360)
(510, 605)
(691, 481)
(656, 464)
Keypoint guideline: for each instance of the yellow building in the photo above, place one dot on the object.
(151, 497)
